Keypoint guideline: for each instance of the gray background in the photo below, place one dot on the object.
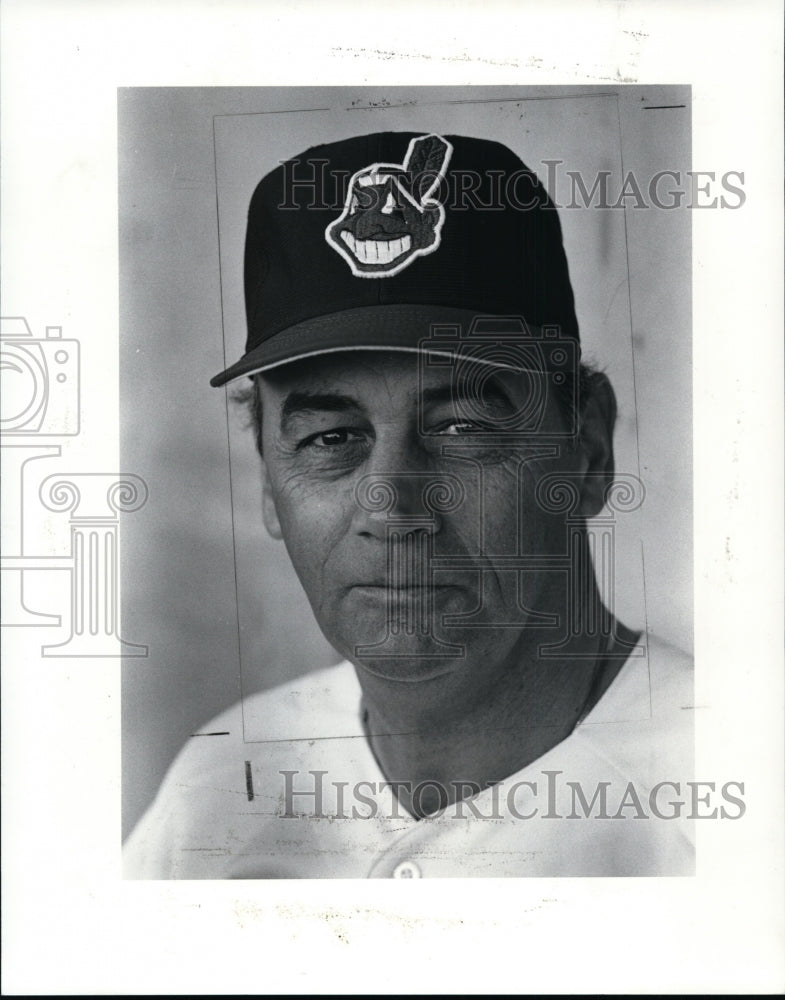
(203, 586)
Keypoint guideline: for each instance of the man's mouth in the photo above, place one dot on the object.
(377, 251)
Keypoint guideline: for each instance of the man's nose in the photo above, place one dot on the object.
(409, 501)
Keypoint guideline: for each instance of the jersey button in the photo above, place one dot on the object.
(407, 869)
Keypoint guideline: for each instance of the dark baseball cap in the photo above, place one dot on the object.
(373, 242)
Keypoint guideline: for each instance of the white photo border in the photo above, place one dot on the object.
(71, 924)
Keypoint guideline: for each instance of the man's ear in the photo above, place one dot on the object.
(269, 513)
(596, 437)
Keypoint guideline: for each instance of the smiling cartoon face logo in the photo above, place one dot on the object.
(391, 215)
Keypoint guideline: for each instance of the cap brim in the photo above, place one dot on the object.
(418, 328)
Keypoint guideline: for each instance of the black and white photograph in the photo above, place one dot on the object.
(391, 501)
(415, 571)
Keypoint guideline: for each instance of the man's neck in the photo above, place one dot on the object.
(426, 733)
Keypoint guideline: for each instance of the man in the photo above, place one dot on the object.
(431, 450)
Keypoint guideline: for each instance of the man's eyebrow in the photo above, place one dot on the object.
(303, 401)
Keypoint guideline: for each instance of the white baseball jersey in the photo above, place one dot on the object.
(311, 801)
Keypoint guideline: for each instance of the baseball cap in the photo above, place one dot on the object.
(372, 242)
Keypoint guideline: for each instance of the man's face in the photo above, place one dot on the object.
(401, 516)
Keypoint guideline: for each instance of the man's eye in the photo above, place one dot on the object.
(457, 427)
(336, 438)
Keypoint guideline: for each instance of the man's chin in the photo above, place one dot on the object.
(407, 667)
(395, 640)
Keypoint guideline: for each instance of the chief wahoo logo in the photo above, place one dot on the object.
(391, 216)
